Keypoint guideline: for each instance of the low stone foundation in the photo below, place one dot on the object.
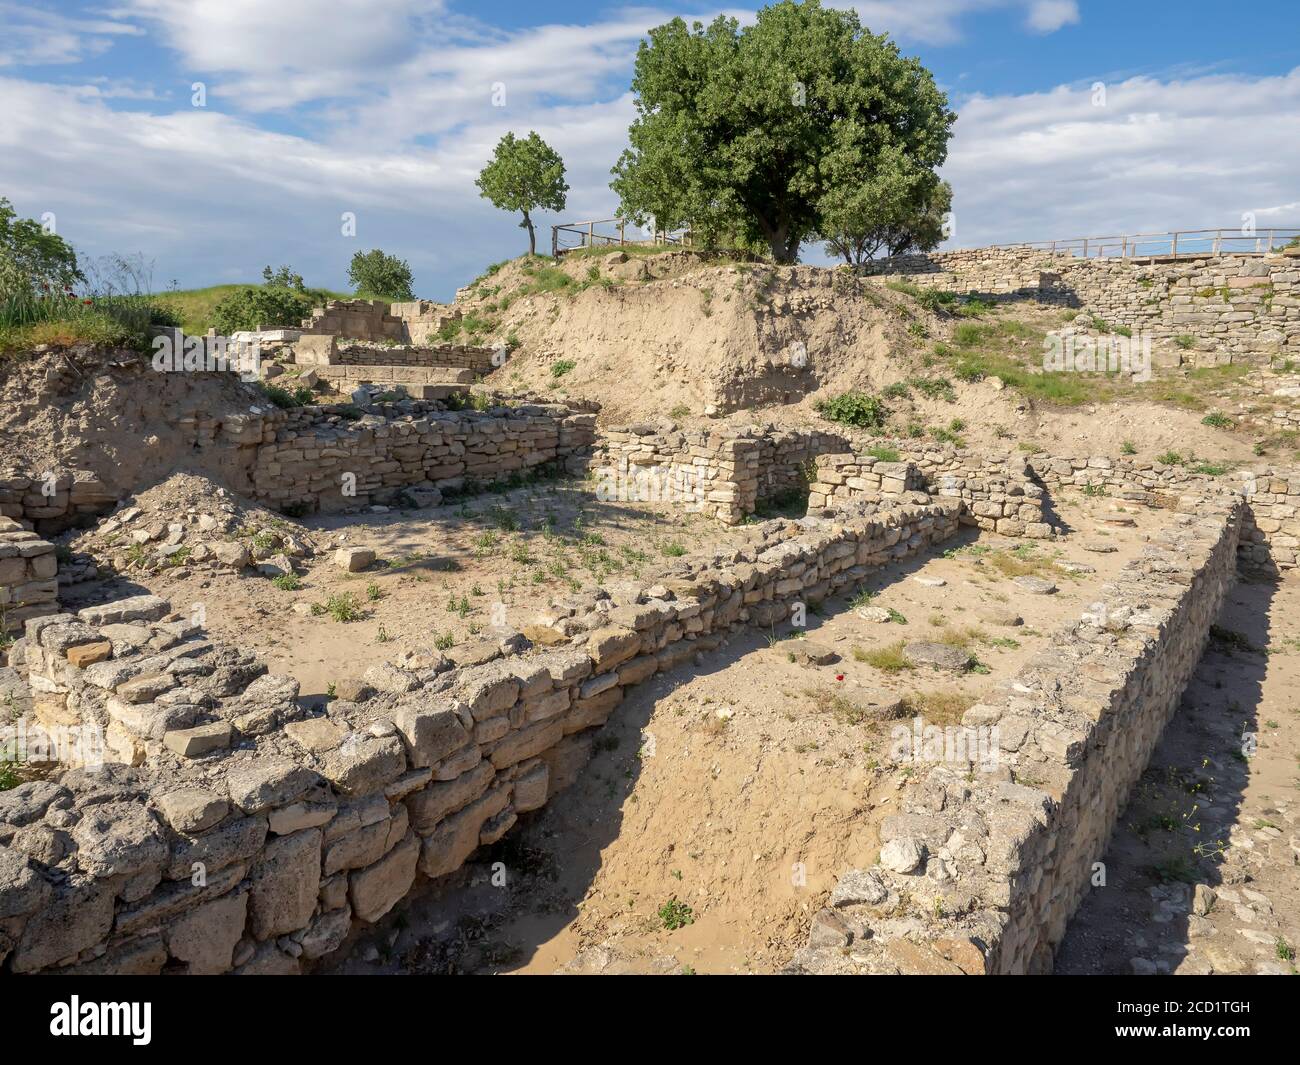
(984, 864)
(252, 836)
(726, 474)
(998, 493)
(299, 457)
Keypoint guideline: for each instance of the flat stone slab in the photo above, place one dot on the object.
(1005, 618)
(808, 653)
(136, 608)
(876, 614)
(937, 655)
(930, 582)
(1099, 547)
(1034, 585)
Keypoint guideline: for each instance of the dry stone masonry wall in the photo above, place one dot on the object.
(29, 584)
(725, 474)
(239, 832)
(987, 860)
(1239, 306)
(997, 493)
(412, 322)
(299, 456)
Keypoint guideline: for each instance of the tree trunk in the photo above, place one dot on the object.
(532, 235)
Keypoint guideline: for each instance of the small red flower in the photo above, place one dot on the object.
(839, 676)
(87, 302)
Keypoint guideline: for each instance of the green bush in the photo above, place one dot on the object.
(854, 408)
(285, 398)
(281, 301)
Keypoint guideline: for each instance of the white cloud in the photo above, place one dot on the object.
(1193, 153)
(35, 37)
(1048, 16)
(400, 127)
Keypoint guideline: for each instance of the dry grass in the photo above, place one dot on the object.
(888, 658)
(1022, 561)
(944, 707)
(845, 711)
(963, 638)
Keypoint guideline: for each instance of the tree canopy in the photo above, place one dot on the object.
(904, 212)
(40, 261)
(780, 131)
(526, 174)
(377, 274)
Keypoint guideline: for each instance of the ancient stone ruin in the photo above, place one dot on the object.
(203, 811)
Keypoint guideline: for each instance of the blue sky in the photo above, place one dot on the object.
(383, 108)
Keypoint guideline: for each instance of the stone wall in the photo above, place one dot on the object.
(997, 492)
(457, 356)
(423, 320)
(284, 456)
(724, 473)
(986, 861)
(29, 584)
(354, 319)
(1236, 306)
(1270, 534)
(418, 382)
(237, 830)
(304, 462)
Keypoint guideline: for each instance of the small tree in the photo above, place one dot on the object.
(38, 261)
(905, 212)
(525, 174)
(380, 275)
(283, 278)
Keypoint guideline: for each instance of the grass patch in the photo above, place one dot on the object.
(944, 707)
(888, 658)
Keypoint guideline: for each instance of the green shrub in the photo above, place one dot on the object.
(562, 366)
(854, 408)
(271, 306)
(1217, 420)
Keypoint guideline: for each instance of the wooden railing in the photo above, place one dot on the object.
(614, 232)
(1183, 243)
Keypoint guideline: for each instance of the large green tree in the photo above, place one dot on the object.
(760, 131)
(39, 261)
(526, 174)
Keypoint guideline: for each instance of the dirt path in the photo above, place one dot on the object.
(1202, 875)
